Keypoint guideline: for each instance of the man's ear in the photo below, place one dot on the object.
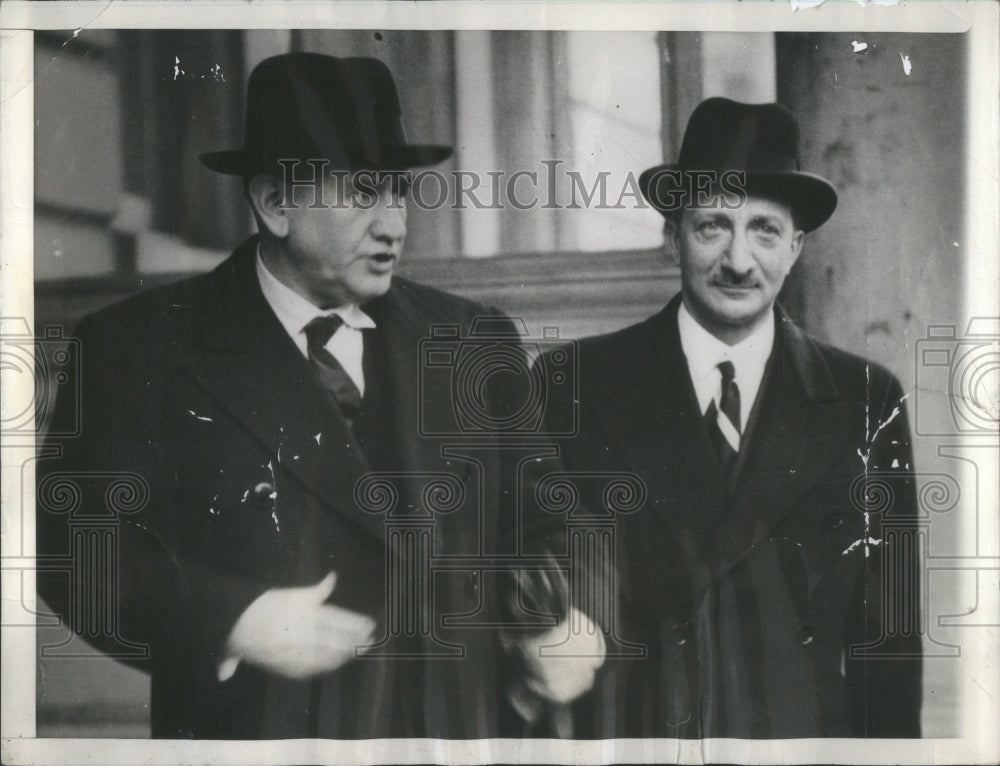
(671, 231)
(267, 197)
(798, 237)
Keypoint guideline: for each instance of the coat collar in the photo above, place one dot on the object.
(641, 391)
(659, 338)
(243, 357)
(798, 427)
(808, 363)
(235, 314)
(636, 383)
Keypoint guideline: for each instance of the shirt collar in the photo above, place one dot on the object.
(295, 312)
(704, 351)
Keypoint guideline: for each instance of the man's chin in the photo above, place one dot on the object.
(737, 309)
(373, 287)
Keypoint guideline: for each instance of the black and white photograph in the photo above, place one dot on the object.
(478, 382)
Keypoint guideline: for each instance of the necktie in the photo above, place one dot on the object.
(331, 374)
(724, 422)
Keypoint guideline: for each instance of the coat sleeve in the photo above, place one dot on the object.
(522, 403)
(543, 486)
(106, 476)
(883, 646)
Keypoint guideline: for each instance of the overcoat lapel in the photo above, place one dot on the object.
(646, 404)
(401, 326)
(799, 427)
(402, 322)
(655, 424)
(243, 358)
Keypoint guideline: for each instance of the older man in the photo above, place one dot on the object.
(774, 592)
(289, 487)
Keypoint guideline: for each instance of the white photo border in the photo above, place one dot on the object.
(979, 741)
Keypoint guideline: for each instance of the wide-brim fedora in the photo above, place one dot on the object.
(758, 141)
(309, 106)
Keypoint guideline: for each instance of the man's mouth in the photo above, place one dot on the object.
(735, 287)
(382, 261)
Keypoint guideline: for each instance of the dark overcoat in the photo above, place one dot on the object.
(780, 601)
(244, 477)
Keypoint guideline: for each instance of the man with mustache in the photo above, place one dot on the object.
(771, 574)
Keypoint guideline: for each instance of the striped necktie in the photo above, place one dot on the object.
(723, 422)
(331, 374)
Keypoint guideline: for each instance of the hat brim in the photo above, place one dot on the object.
(235, 162)
(811, 198)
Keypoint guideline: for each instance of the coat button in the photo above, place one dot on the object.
(263, 493)
(680, 635)
(834, 520)
(806, 635)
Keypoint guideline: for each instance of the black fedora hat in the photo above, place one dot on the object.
(760, 140)
(304, 106)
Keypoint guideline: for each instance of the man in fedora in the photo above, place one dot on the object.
(772, 572)
(267, 417)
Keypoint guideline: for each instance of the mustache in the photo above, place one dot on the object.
(727, 278)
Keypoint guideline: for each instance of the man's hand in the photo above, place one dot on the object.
(293, 633)
(566, 669)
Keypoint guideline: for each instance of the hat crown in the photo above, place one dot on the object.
(760, 142)
(306, 106)
(727, 135)
(310, 106)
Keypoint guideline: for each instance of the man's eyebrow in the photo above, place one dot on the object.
(709, 213)
(770, 218)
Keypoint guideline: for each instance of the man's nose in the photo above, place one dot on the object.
(739, 254)
(389, 223)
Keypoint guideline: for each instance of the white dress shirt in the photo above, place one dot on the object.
(704, 351)
(295, 312)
